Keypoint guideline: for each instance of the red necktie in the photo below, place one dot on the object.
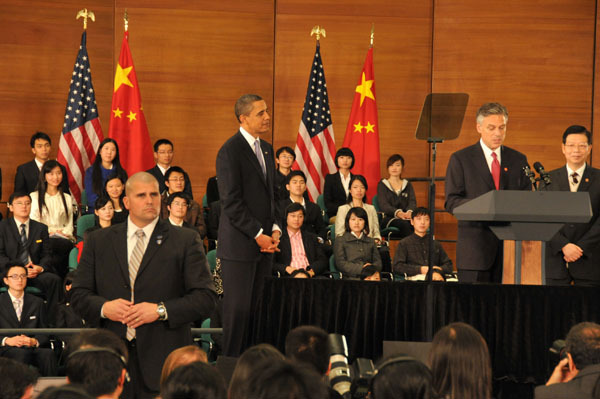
(496, 171)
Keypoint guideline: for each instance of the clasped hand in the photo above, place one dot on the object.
(268, 244)
(126, 312)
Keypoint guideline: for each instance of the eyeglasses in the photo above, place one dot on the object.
(179, 204)
(581, 147)
(19, 203)
(175, 179)
(17, 276)
(286, 157)
(165, 152)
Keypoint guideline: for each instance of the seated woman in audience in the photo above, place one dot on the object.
(104, 211)
(460, 363)
(402, 377)
(107, 161)
(246, 363)
(49, 205)
(337, 185)
(358, 198)
(197, 380)
(115, 189)
(396, 197)
(354, 251)
(180, 357)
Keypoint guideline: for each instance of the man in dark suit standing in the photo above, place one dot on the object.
(27, 241)
(163, 155)
(145, 280)
(28, 173)
(248, 234)
(473, 171)
(573, 254)
(21, 310)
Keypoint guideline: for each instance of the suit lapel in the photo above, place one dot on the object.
(586, 179)
(245, 149)
(9, 309)
(158, 237)
(563, 180)
(15, 232)
(119, 245)
(482, 167)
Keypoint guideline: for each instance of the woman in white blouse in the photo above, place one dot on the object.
(55, 209)
(358, 197)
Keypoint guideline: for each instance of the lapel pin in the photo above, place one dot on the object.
(587, 180)
(506, 169)
(159, 240)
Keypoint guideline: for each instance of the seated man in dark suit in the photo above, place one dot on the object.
(300, 255)
(175, 181)
(576, 375)
(27, 241)
(284, 158)
(163, 154)
(28, 173)
(313, 219)
(177, 204)
(21, 310)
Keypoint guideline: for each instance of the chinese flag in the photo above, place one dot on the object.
(362, 132)
(127, 122)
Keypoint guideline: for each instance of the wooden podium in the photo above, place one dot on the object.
(525, 220)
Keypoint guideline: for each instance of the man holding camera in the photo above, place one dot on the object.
(576, 375)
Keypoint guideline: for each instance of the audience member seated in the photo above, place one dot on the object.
(65, 315)
(163, 155)
(283, 379)
(27, 241)
(370, 273)
(179, 357)
(17, 380)
(358, 198)
(55, 209)
(107, 161)
(284, 158)
(177, 205)
(104, 215)
(175, 182)
(247, 362)
(354, 250)
(115, 189)
(412, 253)
(296, 189)
(402, 377)
(21, 310)
(396, 197)
(97, 362)
(197, 380)
(460, 363)
(578, 373)
(28, 174)
(337, 185)
(301, 254)
(64, 392)
(212, 190)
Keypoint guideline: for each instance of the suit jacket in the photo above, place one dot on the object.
(314, 253)
(194, 215)
(28, 174)
(580, 387)
(468, 176)
(32, 316)
(162, 187)
(246, 198)
(313, 219)
(334, 193)
(173, 270)
(37, 244)
(585, 235)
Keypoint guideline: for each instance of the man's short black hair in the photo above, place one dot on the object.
(39, 136)
(419, 211)
(308, 344)
(344, 151)
(583, 343)
(18, 194)
(172, 169)
(294, 173)
(577, 129)
(287, 149)
(13, 263)
(294, 207)
(194, 380)
(179, 194)
(160, 142)
(16, 378)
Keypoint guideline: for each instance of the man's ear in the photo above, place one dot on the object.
(572, 367)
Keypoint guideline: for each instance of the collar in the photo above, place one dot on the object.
(20, 223)
(38, 163)
(162, 170)
(303, 201)
(579, 171)
(12, 297)
(132, 228)
(292, 234)
(359, 237)
(387, 183)
(249, 138)
(174, 223)
(487, 151)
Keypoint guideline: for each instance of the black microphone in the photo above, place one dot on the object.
(529, 174)
(542, 172)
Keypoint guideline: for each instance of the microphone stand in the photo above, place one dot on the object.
(434, 141)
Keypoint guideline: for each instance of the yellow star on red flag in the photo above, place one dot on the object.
(370, 128)
(121, 77)
(117, 112)
(358, 127)
(364, 88)
(131, 116)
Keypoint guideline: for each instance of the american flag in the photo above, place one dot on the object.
(81, 133)
(315, 145)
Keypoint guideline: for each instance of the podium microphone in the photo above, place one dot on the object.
(529, 174)
(542, 172)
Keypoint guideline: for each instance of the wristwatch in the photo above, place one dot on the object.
(162, 311)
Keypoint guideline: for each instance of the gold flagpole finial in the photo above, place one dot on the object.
(317, 30)
(126, 20)
(372, 33)
(85, 14)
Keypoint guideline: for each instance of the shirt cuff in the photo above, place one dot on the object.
(258, 234)
(4, 341)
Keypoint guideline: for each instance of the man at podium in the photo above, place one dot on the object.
(484, 166)
(573, 254)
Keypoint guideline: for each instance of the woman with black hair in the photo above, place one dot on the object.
(357, 197)
(337, 185)
(114, 188)
(402, 377)
(106, 162)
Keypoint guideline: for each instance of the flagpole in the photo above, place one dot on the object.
(85, 14)
(126, 20)
(318, 31)
(372, 34)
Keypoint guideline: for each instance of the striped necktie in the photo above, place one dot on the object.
(134, 264)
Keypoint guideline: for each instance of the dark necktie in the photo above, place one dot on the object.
(24, 256)
(575, 176)
(496, 171)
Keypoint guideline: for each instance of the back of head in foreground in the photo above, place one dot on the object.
(197, 380)
(247, 362)
(16, 379)
(402, 377)
(308, 344)
(276, 379)
(460, 363)
(179, 357)
(583, 344)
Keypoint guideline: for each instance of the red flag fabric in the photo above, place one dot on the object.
(362, 132)
(81, 132)
(127, 122)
